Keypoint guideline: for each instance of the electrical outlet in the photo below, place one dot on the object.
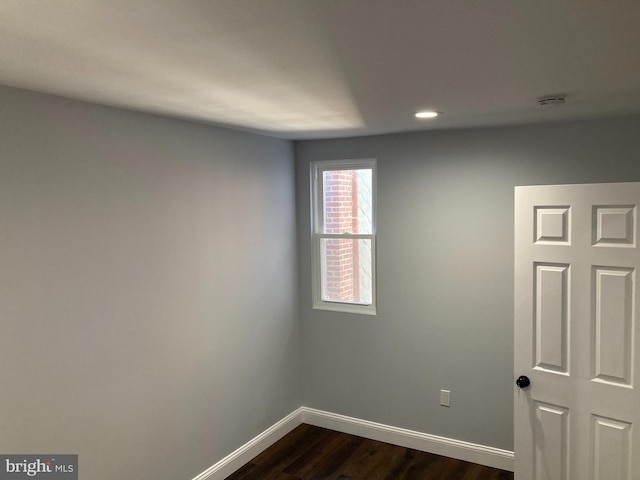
(445, 398)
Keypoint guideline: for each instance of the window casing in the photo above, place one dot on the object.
(344, 235)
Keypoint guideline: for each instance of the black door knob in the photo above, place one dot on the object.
(523, 382)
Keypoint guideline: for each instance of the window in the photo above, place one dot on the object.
(344, 240)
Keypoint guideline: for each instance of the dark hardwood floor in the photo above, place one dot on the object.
(314, 453)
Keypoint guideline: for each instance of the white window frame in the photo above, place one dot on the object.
(317, 220)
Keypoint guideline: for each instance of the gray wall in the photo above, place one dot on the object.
(148, 292)
(445, 271)
(147, 288)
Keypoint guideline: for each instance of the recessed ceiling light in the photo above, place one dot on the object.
(427, 114)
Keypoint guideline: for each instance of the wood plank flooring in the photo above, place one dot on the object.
(314, 453)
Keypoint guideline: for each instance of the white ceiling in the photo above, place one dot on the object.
(327, 68)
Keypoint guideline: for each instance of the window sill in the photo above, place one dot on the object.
(345, 308)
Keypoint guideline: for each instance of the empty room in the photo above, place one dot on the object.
(319, 239)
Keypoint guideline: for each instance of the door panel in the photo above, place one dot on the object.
(613, 324)
(552, 225)
(611, 448)
(576, 301)
(614, 226)
(551, 434)
(551, 317)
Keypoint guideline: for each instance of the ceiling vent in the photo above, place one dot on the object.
(551, 100)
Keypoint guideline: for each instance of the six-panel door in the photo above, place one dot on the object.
(576, 333)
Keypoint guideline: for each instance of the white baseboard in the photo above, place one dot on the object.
(252, 448)
(448, 447)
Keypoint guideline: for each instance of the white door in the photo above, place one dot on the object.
(576, 303)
